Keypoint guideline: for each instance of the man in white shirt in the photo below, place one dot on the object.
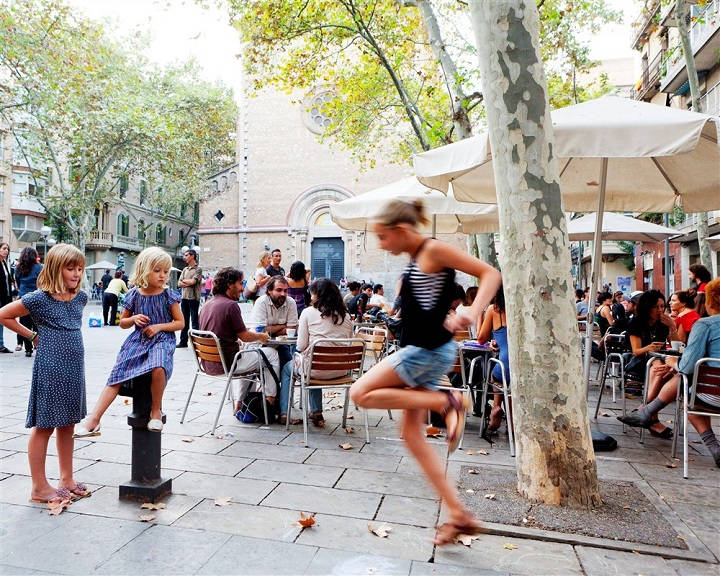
(276, 312)
(378, 299)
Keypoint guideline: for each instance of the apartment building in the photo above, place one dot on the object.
(664, 81)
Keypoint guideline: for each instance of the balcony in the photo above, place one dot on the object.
(127, 243)
(649, 83)
(99, 240)
(710, 101)
(645, 23)
(704, 42)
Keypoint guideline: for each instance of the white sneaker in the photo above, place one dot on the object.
(155, 425)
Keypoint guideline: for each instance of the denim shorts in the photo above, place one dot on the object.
(423, 368)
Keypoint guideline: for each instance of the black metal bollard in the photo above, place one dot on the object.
(145, 484)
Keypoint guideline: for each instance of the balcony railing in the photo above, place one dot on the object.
(649, 82)
(642, 26)
(99, 239)
(127, 242)
(710, 101)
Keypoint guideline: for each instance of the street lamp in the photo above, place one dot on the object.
(45, 232)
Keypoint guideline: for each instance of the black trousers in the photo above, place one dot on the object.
(26, 321)
(190, 312)
(110, 302)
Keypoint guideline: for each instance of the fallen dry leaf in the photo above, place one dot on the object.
(510, 546)
(473, 471)
(188, 440)
(306, 521)
(351, 417)
(381, 531)
(433, 432)
(346, 446)
(626, 507)
(349, 430)
(466, 539)
(223, 501)
(470, 491)
(636, 552)
(605, 414)
(671, 465)
(146, 517)
(151, 506)
(469, 452)
(57, 507)
(490, 496)
(483, 452)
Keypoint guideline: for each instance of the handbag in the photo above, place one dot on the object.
(250, 290)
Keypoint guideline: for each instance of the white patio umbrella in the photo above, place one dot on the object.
(613, 154)
(447, 215)
(618, 227)
(102, 265)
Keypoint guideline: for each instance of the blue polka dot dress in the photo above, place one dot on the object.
(57, 394)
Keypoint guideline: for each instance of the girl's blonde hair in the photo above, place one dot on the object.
(58, 258)
(146, 262)
(262, 257)
(402, 212)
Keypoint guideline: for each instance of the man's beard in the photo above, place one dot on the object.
(278, 300)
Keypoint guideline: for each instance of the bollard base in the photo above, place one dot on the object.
(146, 491)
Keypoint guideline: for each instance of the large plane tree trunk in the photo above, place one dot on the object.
(555, 458)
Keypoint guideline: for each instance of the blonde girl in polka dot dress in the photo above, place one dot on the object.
(57, 393)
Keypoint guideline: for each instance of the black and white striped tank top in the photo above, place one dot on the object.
(426, 288)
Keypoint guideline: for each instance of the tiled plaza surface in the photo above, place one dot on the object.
(271, 477)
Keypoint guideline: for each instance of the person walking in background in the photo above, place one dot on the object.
(274, 269)
(7, 285)
(57, 393)
(191, 284)
(154, 313)
(26, 274)
(408, 378)
(111, 297)
(106, 279)
(298, 280)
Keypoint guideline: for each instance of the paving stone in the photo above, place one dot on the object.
(8, 570)
(531, 557)
(259, 435)
(616, 470)
(4, 436)
(386, 483)
(406, 510)
(83, 543)
(291, 472)
(110, 474)
(199, 462)
(688, 568)
(243, 519)
(105, 502)
(352, 459)
(19, 444)
(101, 453)
(18, 464)
(323, 441)
(428, 569)
(355, 564)
(699, 517)
(242, 555)
(268, 451)
(408, 465)
(214, 486)
(711, 540)
(409, 542)
(700, 476)
(209, 445)
(21, 525)
(324, 500)
(165, 550)
(602, 562)
(386, 446)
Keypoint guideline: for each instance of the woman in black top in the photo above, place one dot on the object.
(408, 379)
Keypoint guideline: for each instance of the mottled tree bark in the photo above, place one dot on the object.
(555, 458)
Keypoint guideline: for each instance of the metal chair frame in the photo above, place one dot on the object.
(613, 352)
(506, 400)
(206, 346)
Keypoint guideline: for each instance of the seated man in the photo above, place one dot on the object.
(353, 290)
(704, 342)
(276, 312)
(222, 316)
(359, 304)
(378, 300)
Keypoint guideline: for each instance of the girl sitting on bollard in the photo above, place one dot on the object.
(155, 313)
(57, 394)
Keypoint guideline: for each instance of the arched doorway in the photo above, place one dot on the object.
(327, 250)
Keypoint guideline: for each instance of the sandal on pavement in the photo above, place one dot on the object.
(155, 425)
(282, 420)
(449, 532)
(60, 494)
(79, 491)
(81, 431)
(459, 407)
(317, 419)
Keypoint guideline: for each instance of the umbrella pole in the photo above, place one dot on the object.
(596, 266)
(666, 245)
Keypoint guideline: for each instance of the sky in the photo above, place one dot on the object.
(181, 29)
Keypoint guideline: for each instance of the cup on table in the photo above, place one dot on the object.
(676, 345)
(291, 332)
(259, 328)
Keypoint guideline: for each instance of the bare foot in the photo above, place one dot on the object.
(155, 414)
(495, 417)
(44, 494)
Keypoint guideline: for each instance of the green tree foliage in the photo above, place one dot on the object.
(85, 111)
(390, 90)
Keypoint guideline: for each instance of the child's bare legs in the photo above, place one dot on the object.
(157, 388)
(37, 451)
(107, 396)
(65, 445)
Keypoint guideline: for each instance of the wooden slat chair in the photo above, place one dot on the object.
(705, 380)
(376, 344)
(332, 354)
(206, 348)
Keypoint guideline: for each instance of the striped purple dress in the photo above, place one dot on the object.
(138, 354)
